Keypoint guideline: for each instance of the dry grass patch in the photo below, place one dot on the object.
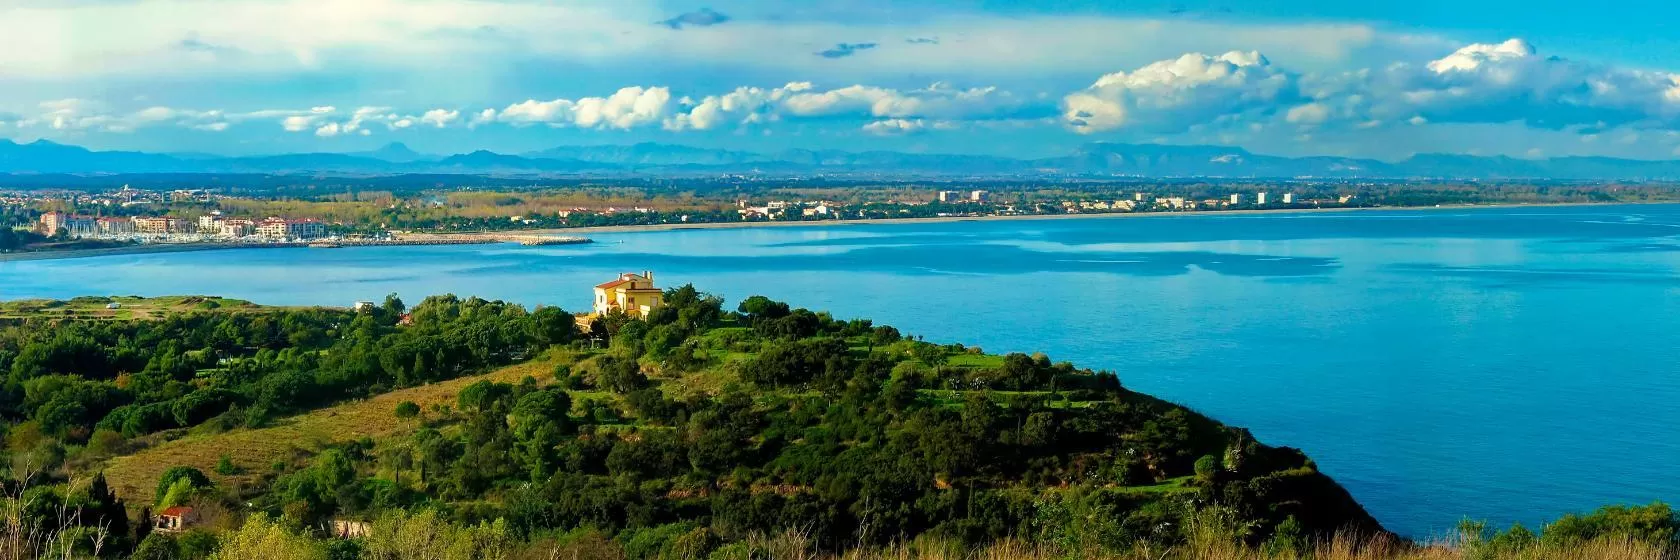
(134, 477)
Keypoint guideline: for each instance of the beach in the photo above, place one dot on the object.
(516, 236)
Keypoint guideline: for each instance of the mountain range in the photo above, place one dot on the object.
(1097, 160)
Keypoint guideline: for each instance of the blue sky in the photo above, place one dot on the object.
(1292, 77)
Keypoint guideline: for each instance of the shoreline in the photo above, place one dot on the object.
(1028, 217)
(512, 236)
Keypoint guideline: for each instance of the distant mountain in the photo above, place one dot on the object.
(396, 152)
(648, 153)
(648, 159)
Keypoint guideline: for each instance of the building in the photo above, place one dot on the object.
(50, 223)
(632, 294)
(1236, 199)
(159, 225)
(174, 519)
(1288, 198)
(306, 229)
(1260, 198)
(282, 229)
(347, 529)
(210, 223)
(81, 226)
(115, 226)
(977, 196)
(237, 228)
(76, 226)
(950, 196)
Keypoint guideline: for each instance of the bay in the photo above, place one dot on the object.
(1504, 364)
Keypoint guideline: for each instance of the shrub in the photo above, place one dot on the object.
(407, 409)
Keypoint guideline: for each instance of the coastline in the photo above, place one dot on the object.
(512, 236)
(947, 219)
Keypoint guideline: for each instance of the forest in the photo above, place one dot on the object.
(702, 431)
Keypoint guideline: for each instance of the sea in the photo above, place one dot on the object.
(1499, 364)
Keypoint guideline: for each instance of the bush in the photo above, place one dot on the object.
(407, 409)
(194, 478)
(225, 467)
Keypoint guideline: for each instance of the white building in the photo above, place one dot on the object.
(1260, 199)
(1288, 198)
(1236, 199)
(977, 196)
(950, 196)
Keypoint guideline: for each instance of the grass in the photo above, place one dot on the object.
(134, 476)
(127, 307)
(965, 360)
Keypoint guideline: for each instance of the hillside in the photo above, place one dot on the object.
(695, 432)
(253, 451)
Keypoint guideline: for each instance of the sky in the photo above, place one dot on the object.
(1526, 79)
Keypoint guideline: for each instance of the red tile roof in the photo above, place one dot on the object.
(612, 284)
(176, 511)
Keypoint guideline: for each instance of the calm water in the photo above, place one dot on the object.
(1505, 364)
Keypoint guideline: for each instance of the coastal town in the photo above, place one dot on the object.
(49, 218)
(166, 229)
(139, 216)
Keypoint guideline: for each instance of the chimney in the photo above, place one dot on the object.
(648, 274)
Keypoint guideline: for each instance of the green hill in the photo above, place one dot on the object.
(696, 421)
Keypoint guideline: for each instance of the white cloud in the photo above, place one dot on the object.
(440, 118)
(745, 105)
(751, 105)
(227, 39)
(298, 123)
(627, 108)
(1506, 82)
(895, 127)
(1308, 114)
(1173, 95)
(1194, 94)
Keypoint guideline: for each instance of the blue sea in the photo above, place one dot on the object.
(1501, 364)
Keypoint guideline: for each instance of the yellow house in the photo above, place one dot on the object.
(631, 293)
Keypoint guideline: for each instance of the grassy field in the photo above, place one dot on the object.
(120, 308)
(254, 451)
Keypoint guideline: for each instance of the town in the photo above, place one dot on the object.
(279, 211)
(165, 229)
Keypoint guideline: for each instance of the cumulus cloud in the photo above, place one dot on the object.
(901, 127)
(744, 106)
(440, 118)
(628, 108)
(1500, 83)
(704, 17)
(1173, 95)
(801, 100)
(1478, 83)
(1492, 83)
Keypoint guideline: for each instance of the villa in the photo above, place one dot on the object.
(633, 294)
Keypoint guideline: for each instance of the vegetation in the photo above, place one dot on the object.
(478, 429)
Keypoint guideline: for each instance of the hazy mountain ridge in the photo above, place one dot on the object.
(1090, 160)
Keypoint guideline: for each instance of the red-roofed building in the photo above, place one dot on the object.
(174, 519)
(633, 294)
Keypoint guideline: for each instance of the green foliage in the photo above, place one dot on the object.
(400, 535)
(263, 539)
(179, 482)
(225, 466)
(407, 409)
